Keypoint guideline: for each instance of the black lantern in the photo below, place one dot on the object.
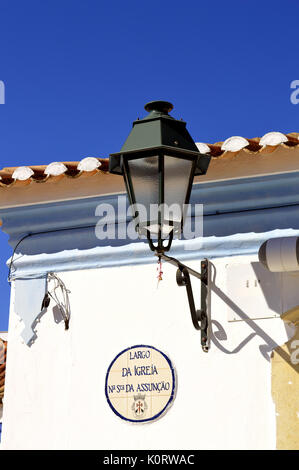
(158, 162)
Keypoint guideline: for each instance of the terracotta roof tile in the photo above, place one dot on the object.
(90, 165)
(42, 173)
(235, 144)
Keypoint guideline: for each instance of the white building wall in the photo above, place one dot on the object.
(55, 395)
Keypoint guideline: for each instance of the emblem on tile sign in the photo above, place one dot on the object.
(140, 384)
(139, 406)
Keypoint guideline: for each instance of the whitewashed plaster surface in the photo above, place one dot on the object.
(55, 396)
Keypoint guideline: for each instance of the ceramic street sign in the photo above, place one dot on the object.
(140, 384)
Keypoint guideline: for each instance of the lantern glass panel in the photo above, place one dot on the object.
(177, 172)
(145, 182)
(160, 187)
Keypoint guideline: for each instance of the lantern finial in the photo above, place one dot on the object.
(159, 106)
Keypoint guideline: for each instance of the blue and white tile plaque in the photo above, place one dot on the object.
(140, 384)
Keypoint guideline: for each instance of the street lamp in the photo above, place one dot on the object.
(158, 162)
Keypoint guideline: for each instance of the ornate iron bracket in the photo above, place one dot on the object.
(199, 318)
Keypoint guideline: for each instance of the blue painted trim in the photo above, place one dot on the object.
(220, 225)
(249, 196)
(171, 398)
(238, 216)
(36, 266)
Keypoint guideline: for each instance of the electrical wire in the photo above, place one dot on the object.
(13, 255)
(62, 303)
(39, 233)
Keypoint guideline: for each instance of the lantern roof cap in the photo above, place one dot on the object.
(158, 129)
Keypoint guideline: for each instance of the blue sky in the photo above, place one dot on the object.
(77, 73)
